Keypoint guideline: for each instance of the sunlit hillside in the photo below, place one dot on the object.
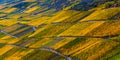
(59, 29)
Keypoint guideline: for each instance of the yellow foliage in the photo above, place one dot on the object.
(9, 10)
(12, 41)
(38, 31)
(76, 49)
(14, 16)
(41, 43)
(101, 52)
(80, 29)
(90, 28)
(38, 21)
(4, 49)
(9, 40)
(8, 22)
(2, 15)
(102, 14)
(18, 31)
(89, 46)
(17, 55)
(6, 37)
(11, 28)
(56, 29)
(62, 43)
(29, 0)
(62, 15)
(106, 29)
(32, 9)
(69, 7)
(13, 58)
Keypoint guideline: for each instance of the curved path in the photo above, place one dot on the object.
(43, 48)
(84, 21)
(104, 37)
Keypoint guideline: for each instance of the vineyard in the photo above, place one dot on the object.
(60, 30)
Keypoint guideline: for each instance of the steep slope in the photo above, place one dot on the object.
(59, 29)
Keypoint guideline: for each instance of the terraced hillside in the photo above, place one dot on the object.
(59, 29)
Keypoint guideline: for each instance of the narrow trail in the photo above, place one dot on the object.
(62, 23)
(84, 21)
(8, 34)
(59, 37)
(103, 37)
(43, 48)
(54, 51)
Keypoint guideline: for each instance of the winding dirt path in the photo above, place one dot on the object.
(43, 48)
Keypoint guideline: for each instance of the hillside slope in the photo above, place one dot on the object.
(60, 30)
